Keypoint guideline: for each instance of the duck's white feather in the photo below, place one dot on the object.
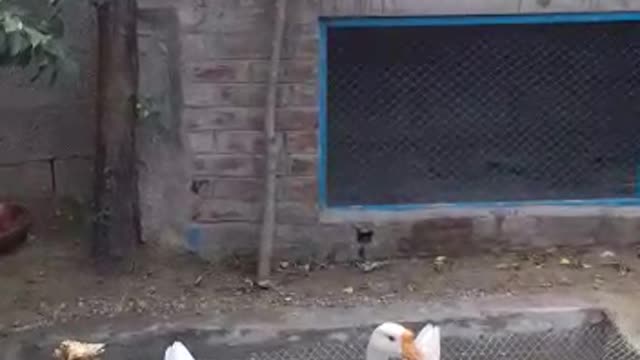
(428, 342)
(177, 351)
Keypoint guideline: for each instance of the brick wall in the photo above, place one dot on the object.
(226, 44)
(210, 170)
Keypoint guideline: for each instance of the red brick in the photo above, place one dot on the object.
(201, 142)
(302, 165)
(239, 189)
(290, 71)
(218, 210)
(301, 142)
(297, 189)
(202, 187)
(293, 213)
(230, 95)
(223, 118)
(240, 142)
(297, 95)
(229, 165)
(220, 71)
(297, 119)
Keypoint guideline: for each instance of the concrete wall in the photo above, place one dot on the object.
(46, 133)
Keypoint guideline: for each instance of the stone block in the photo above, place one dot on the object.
(566, 231)
(619, 231)
(220, 210)
(202, 141)
(231, 142)
(301, 165)
(249, 44)
(296, 213)
(297, 119)
(229, 165)
(230, 95)
(74, 178)
(37, 133)
(290, 71)
(301, 142)
(239, 189)
(216, 242)
(203, 187)
(533, 6)
(236, 15)
(298, 189)
(616, 5)
(29, 180)
(297, 95)
(220, 71)
(417, 7)
(198, 119)
(325, 243)
(304, 11)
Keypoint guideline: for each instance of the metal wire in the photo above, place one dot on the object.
(482, 113)
(593, 342)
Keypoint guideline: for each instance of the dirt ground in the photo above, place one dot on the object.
(51, 281)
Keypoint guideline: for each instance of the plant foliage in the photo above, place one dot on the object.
(30, 39)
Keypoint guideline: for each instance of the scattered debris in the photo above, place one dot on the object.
(284, 265)
(348, 290)
(607, 254)
(565, 281)
(440, 262)
(566, 261)
(369, 266)
(75, 350)
(508, 266)
(262, 284)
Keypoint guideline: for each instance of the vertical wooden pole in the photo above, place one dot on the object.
(116, 223)
(268, 216)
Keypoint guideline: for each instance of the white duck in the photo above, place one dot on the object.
(394, 341)
(388, 341)
(177, 351)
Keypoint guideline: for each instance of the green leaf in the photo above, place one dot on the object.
(12, 24)
(36, 37)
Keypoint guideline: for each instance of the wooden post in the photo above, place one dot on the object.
(116, 224)
(268, 216)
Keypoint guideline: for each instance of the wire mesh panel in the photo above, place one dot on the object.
(591, 342)
(511, 112)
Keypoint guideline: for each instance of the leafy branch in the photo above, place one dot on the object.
(29, 39)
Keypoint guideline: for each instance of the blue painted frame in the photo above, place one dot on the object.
(450, 20)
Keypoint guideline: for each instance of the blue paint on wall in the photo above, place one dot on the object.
(194, 238)
(451, 20)
(471, 20)
(322, 117)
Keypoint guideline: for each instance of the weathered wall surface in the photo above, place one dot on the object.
(46, 133)
(225, 52)
(204, 68)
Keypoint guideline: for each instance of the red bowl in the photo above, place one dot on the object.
(15, 223)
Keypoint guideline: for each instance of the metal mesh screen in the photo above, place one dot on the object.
(594, 342)
(482, 113)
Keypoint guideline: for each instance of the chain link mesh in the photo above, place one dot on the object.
(482, 113)
(592, 342)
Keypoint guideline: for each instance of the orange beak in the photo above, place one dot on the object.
(409, 349)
